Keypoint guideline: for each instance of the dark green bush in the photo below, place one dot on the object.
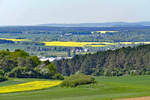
(58, 76)
(25, 72)
(75, 80)
(2, 77)
(22, 72)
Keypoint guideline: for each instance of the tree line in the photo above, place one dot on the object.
(20, 64)
(123, 61)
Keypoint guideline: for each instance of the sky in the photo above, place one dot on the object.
(33, 12)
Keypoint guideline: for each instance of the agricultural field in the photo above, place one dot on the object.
(77, 44)
(89, 44)
(104, 32)
(29, 86)
(60, 41)
(14, 39)
(106, 88)
(61, 48)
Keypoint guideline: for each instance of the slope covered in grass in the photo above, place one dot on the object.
(107, 88)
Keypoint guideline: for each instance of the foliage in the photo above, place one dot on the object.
(52, 68)
(20, 64)
(2, 77)
(123, 61)
(22, 72)
(79, 79)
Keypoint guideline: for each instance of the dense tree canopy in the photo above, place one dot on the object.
(21, 65)
(124, 61)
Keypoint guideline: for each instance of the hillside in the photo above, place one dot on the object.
(124, 61)
(107, 88)
(107, 24)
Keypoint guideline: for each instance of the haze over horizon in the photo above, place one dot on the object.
(32, 12)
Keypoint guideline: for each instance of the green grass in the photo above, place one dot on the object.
(107, 88)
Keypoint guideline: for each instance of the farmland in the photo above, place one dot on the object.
(14, 39)
(88, 44)
(29, 86)
(77, 44)
(104, 32)
(61, 48)
(106, 88)
(58, 41)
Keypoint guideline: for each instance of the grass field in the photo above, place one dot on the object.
(107, 88)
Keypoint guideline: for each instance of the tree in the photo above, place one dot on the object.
(1, 73)
(52, 68)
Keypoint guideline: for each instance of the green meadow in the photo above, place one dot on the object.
(106, 88)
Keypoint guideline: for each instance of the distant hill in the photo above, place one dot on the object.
(111, 24)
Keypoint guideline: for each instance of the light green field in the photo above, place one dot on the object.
(107, 88)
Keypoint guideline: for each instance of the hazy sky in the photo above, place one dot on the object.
(31, 12)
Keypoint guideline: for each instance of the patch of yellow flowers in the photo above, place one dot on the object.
(14, 39)
(77, 44)
(103, 32)
(29, 86)
(88, 44)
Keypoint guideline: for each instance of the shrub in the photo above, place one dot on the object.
(1, 73)
(22, 72)
(58, 76)
(2, 78)
(25, 72)
(75, 80)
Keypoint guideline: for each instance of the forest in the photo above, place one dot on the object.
(20, 64)
(119, 62)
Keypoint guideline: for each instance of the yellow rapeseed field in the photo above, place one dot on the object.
(126, 43)
(14, 39)
(104, 32)
(77, 44)
(29, 86)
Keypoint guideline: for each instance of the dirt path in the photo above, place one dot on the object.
(140, 98)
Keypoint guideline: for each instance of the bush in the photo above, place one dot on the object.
(22, 72)
(2, 78)
(58, 76)
(25, 72)
(75, 80)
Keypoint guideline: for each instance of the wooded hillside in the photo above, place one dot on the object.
(124, 61)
